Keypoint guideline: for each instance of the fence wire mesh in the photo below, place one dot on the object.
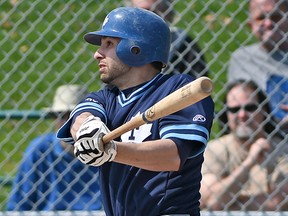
(42, 47)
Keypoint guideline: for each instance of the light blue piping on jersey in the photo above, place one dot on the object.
(184, 136)
(187, 136)
(190, 137)
(123, 101)
(90, 105)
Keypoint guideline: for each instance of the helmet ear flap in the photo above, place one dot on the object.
(132, 52)
(135, 50)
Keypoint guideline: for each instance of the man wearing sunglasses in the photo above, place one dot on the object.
(246, 169)
(266, 62)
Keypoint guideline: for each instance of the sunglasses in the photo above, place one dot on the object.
(247, 108)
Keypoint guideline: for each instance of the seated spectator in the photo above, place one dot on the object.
(266, 62)
(49, 176)
(247, 168)
(185, 54)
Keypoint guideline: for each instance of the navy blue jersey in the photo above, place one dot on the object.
(129, 190)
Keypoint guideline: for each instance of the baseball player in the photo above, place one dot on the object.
(154, 169)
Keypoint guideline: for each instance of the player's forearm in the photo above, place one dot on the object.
(158, 155)
(76, 125)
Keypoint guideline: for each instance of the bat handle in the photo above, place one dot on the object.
(137, 121)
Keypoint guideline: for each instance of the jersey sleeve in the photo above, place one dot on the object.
(189, 128)
(93, 103)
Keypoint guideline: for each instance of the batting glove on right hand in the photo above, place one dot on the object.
(89, 147)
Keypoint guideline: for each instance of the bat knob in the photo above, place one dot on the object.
(206, 84)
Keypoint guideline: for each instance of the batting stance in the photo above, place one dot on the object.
(154, 169)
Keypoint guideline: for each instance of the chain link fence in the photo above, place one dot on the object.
(42, 48)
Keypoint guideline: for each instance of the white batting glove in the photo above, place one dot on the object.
(89, 147)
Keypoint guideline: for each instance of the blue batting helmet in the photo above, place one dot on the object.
(145, 37)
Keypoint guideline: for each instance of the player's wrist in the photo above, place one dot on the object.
(111, 150)
(89, 146)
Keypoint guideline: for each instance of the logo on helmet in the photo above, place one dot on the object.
(105, 21)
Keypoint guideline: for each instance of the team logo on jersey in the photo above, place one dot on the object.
(137, 135)
(199, 118)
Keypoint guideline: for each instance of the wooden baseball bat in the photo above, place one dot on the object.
(181, 98)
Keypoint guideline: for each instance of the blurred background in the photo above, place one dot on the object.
(42, 47)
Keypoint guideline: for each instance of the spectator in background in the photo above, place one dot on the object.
(185, 54)
(50, 177)
(246, 169)
(266, 62)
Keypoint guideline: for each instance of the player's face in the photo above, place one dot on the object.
(112, 70)
(269, 22)
(244, 114)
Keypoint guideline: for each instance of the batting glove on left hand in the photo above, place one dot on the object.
(89, 147)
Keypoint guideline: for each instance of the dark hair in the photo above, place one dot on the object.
(262, 100)
(157, 65)
(164, 9)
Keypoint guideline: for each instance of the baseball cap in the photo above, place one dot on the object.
(66, 98)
